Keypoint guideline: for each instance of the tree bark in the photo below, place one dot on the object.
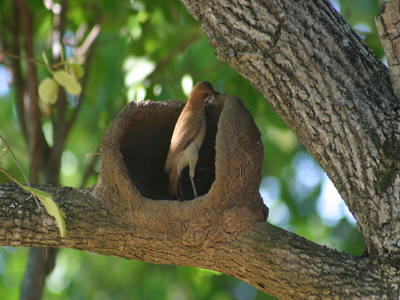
(331, 91)
(336, 96)
(389, 29)
(269, 258)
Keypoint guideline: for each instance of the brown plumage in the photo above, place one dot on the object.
(188, 137)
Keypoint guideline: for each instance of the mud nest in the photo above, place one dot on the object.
(133, 183)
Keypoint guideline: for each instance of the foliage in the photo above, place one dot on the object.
(156, 50)
(48, 88)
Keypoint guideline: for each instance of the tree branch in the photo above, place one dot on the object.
(87, 48)
(18, 57)
(63, 19)
(16, 67)
(269, 258)
(89, 170)
(37, 141)
(53, 159)
(85, 78)
(172, 54)
(40, 263)
(388, 26)
(39, 266)
(330, 90)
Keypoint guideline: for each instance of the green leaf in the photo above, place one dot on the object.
(52, 208)
(77, 70)
(48, 89)
(45, 58)
(66, 80)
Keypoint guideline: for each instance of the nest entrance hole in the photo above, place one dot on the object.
(145, 146)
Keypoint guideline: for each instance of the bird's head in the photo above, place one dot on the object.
(202, 91)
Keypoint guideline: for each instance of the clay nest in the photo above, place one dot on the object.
(134, 185)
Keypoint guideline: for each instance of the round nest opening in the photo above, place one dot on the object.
(145, 143)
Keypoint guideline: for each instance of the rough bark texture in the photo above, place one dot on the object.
(331, 90)
(269, 258)
(334, 94)
(389, 32)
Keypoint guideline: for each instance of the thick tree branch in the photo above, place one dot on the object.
(388, 27)
(329, 88)
(271, 259)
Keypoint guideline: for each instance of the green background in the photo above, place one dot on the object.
(152, 50)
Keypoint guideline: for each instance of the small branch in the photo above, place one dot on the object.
(37, 142)
(89, 170)
(388, 26)
(19, 167)
(16, 66)
(95, 156)
(53, 163)
(29, 59)
(87, 47)
(63, 18)
(82, 95)
(247, 156)
(179, 49)
(90, 167)
(88, 42)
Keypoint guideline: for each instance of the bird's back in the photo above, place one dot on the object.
(188, 129)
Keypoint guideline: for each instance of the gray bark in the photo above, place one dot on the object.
(269, 258)
(389, 29)
(331, 90)
(338, 99)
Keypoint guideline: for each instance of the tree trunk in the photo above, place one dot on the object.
(41, 262)
(336, 96)
(331, 91)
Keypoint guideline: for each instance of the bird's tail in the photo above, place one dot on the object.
(173, 181)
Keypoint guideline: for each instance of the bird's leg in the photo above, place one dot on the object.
(180, 188)
(194, 187)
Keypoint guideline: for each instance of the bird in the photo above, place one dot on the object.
(188, 136)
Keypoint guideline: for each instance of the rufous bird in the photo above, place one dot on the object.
(188, 137)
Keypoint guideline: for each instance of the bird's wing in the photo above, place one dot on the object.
(181, 139)
(173, 182)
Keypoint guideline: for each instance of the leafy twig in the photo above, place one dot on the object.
(54, 66)
(45, 198)
(19, 167)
